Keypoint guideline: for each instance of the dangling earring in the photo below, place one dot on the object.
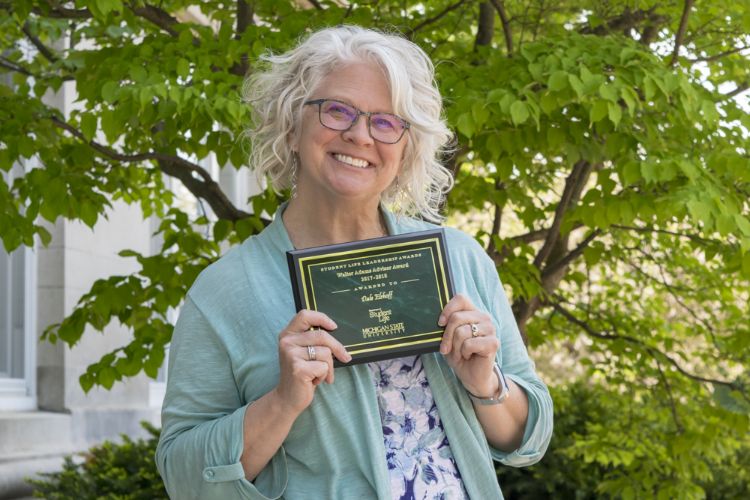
(294, 175)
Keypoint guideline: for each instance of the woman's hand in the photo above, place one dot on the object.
(470, 351)
(306, 358)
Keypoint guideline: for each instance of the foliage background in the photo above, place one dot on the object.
(601, 158)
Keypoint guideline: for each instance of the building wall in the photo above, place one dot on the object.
(57, 417)
(68, 419)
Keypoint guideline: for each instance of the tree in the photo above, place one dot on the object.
(606, 139)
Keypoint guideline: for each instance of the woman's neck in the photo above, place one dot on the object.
(327, 222)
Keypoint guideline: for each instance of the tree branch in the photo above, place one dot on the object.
(245, 13)
(654, 352)
(316, 4)
(505, 21)
(626, 21)
(577, 177)
(485, 25)
(668, 388)
(156, 16)
(718, 56)
(664, 231)
(531, 236)
(62, 13)
(680, 36)
(195, 178)
(497, 220)
(43, 49)
(434, 18)
(4, 63)
(571, 256)
(740, 89)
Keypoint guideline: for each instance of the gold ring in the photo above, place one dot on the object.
(311, 353)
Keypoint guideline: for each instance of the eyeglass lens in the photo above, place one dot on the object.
(383, 127)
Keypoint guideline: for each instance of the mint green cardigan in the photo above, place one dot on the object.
(224, 356)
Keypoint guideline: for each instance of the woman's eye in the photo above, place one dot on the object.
(383, 123)
(339, 111)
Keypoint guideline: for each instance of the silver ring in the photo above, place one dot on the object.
(311, 353)
(474, 330)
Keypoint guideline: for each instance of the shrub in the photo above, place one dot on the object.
(606, 445)
(125, 471)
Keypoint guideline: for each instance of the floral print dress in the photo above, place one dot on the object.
(420, 463)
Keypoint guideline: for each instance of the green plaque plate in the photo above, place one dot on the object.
(385, 294)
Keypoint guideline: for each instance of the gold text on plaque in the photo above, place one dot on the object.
(383, 315)
(370, 297)
(380, 330)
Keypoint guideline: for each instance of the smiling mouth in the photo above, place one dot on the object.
(351, 161)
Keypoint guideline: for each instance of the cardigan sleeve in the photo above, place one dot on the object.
(514, 360)
(198, 455)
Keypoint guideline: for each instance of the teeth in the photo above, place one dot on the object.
(354, 162)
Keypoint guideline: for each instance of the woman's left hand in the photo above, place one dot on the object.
(470, 350)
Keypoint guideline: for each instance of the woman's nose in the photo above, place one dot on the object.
(359, 133)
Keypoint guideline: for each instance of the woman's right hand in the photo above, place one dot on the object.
(299, 373)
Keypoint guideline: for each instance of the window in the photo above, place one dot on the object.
(17, 325)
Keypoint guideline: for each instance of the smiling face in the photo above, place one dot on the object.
(349, 165)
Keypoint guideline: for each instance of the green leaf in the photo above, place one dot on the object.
(244, 228)
(730, 400)
(138, 73)
(495, 95)
(44, 235)
(88, 125)
(631, 172)
(519, 112)
(608, 92)
(107, 6)
(630, 98)
(109, 91)
(577, 85)
(548, 103)
(480, 114)
(700, 210)
(110, 125)
(615, 113)
(742, 223)
(89, 213)
(708, 108)
(599, 110)
(106, 377)
(183, 68)
(86, 381)
(465, 125)
(558, 81)
(222, 229)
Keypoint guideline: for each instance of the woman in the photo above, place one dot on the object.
(350, 120)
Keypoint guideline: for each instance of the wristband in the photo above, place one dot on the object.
(502, 392)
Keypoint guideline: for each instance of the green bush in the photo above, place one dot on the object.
(602, 447)
(125, 471)
(605, 445)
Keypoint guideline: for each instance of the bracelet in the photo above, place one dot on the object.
(502, 392)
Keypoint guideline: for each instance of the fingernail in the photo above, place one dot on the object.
(334, 324)
(441, 320)
(348, 357)
(443, 349)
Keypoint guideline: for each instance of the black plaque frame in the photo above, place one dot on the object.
(418, 335)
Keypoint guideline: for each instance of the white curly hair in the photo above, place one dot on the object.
(277, 94)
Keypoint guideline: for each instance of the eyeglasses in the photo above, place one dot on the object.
(337, 115)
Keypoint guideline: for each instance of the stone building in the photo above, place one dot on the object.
(44, 413)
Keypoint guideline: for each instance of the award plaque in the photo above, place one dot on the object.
(385, 294)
